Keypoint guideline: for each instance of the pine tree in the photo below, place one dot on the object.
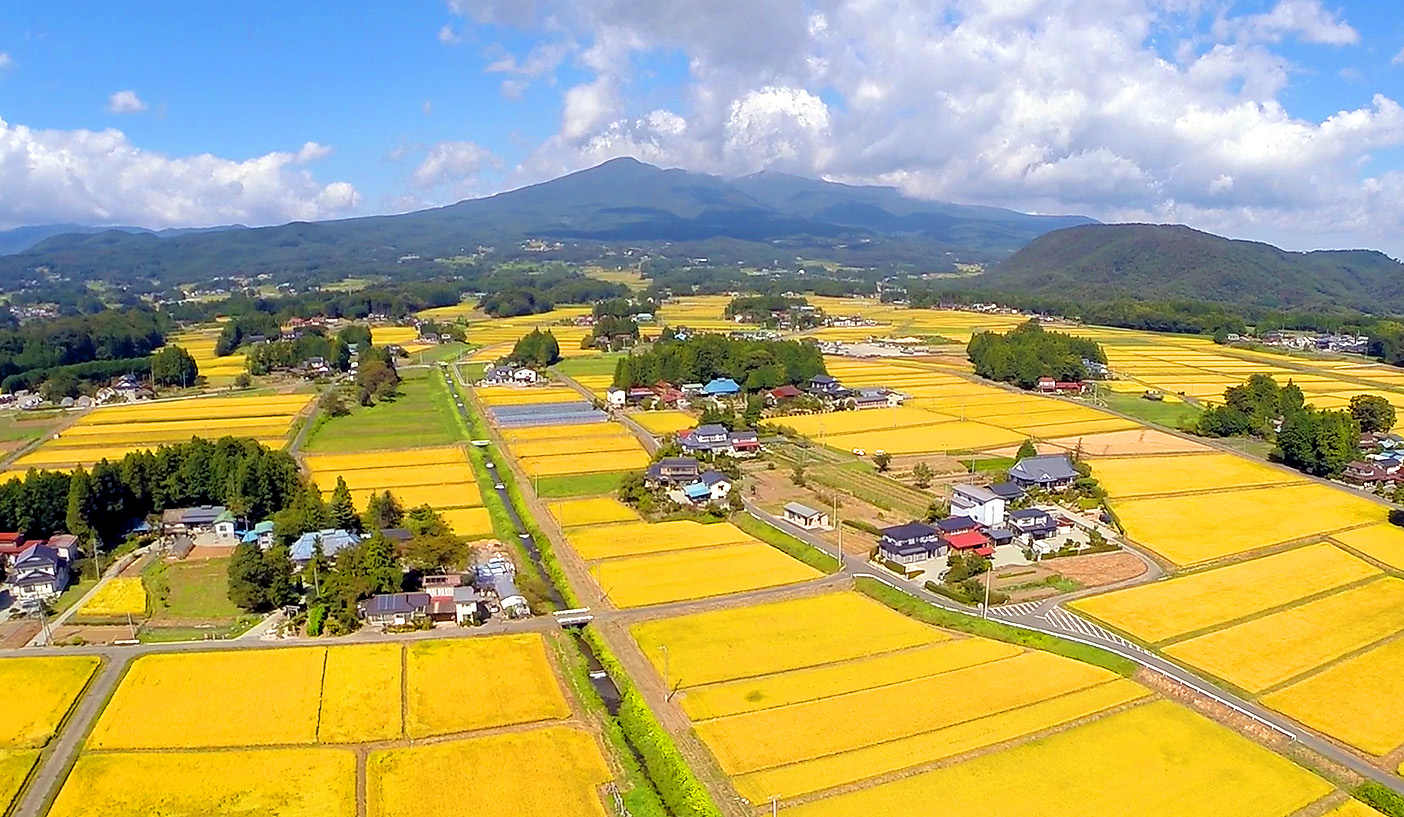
(382, 511)
(80, 505)
(343, 509)
(248, 577)
(1026, 449)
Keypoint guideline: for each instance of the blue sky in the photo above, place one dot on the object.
(1269, 119)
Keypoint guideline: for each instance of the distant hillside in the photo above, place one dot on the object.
(768, 218)
(1150, 262)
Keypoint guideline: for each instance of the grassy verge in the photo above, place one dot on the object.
(1169, 413)
(595, 364)
(791, 546)
(570, 485)
(638, 793)
(914, 607)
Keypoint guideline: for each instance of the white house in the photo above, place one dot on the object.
(806, 517)
(617, 397)
(38, 572)
(979, 504)
(524, 376)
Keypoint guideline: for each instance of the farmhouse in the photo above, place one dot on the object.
(1035, 523)
(709, 437)
(1366, 474)
(441, 585)
(721, 387)
(955, 524)
(617, 397)
(980, 504)
(395, 608)
(780, 393)
(710, 486)
(909, 543)
(673, 470)
(331, 540)
(262, 533)
(39, 573)
(824, 385)
(1007, 491)
(11, 545)
(1049, 472)
(969, 542)
(743, 443)
(805, 517)
(191, 520)
(509, 598)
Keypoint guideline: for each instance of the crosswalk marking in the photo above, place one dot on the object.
(1060, 619)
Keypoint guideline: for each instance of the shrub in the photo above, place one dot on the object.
(1381, 798)
(866, 527)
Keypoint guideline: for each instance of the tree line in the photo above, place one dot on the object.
(1028, 352)
(754, 364)
(1318, 441)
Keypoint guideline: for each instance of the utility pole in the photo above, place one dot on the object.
(667, 674)
(989, 574)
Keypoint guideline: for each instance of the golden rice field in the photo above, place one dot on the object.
(590, 511)
(525, 395)
(768, 738)
(286, 782)
(1156, 760)
(639, 537)
(1157, 612)
(663, 422)
(121, 596)
(110, 432)
(395, 476)
(365, 702)
(1383, 542)
(557, 464)
(50, 685)
(638, 581)
(1356, 701)
(399, 335)
(1134, 476)
(201, 344)
(443, 699)
(550, 772)
(812, 683)
(470, 522)
(847, 422)
(15, 766)
(1352, 808)
(1276, 648)
(1194, 529)
(582, 431)
(440, 497)
(440, 477)
(943, 437)
(210, 699)
(758, 640)
(404, 458)
(568, 447)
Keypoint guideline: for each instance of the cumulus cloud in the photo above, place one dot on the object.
(456, 164)
(6, 61)
(100, 177)
(125, 102)
(1144, 109)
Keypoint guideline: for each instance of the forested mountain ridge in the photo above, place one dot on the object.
(765, 218)
(1153, 262)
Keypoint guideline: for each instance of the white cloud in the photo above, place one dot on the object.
(456, 164)
(100, 177)
(1144, 109)
(6, 61)
(125, 102)
(427, 107)
(448, 36)
(1304, 19)
(1398, 58)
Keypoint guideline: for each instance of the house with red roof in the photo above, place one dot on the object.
(969, 542)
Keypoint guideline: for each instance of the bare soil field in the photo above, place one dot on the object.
(1099, 569)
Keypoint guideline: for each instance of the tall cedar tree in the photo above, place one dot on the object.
(382, 511)
(343, 509)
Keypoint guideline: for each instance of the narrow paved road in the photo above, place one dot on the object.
(41, 638)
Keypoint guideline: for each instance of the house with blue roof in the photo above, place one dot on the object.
(721, 387)
(262, 533)
(333, 542)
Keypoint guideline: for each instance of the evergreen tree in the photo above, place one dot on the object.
(280, 588)
(80, 506)
(1026, 449)
(173, 366)
(343, 509)
(248, 579)
(382, 511)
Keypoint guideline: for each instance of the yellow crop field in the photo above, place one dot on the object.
(622, 460)
(134, 436)
(443, 699)
(663, 422)
(405, 458)
(638, 581)
(745, 642)
(1049, 431)
(468, 521)
(1132, 476)
(206, 699)
(1355, 701)
(1352, 808)
(121, 596)
(590, 511)
(15, 766)
(517, 396)
(396, 476)
(587, 445)
(1157, 760)
(444, 495)
(578, 431)
(951, 436)
(361, 694)
(1383, 542)
(783, 689)
(638, 538)
(201, 408)
(550, 772)
(399, 335)
(282, 782)
(1165, 609)
(829, 771)
(1276, 648)
(847, 422)
(1199, 528)
(775, 737)
(50, 687)
(175, 429)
